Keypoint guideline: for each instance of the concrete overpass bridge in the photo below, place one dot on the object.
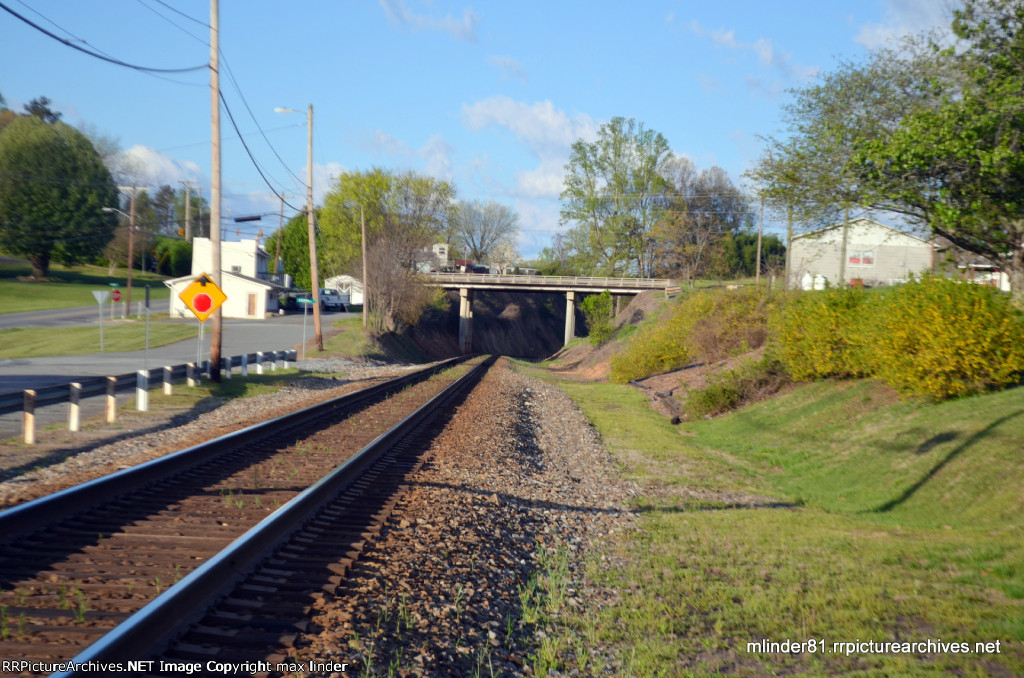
(468, 283)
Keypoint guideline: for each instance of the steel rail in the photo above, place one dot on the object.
(163, 618)
(30, 516)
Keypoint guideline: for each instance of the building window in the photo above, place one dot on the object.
(862, 258)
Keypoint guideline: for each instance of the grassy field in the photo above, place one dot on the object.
(834, 513)
(68, 287)
(118, 336)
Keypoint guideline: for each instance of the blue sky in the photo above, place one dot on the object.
(488, 95)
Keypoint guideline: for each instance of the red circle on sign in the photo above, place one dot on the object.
(202, 302)
(116, 295)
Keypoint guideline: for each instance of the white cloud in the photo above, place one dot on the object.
(767, 53)
(546, 131)
(904, 17)
(435, 155)
(148, 167)
(463, 28)
(324, 177)
(510, 68)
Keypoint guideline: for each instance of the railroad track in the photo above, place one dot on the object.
(113, 571)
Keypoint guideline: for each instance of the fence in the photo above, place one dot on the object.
(27, 401)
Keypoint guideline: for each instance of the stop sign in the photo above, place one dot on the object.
(116, 295)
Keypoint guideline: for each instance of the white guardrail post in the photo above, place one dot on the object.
(28, 420)
(168, 378)
(142, 390)
(111, 400)
(259, 362)
(74, 407)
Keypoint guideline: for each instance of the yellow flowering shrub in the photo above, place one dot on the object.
(703, 326)
(821, 334)
(941, 338)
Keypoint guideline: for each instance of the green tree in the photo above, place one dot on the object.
(611, 194)
(960, 164)
(405, 213)
(53, 187)
(597, 310)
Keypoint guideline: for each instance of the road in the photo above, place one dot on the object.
(239, 337)
(84, 315)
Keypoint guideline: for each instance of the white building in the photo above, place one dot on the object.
(876, 254)
(346, 284)
(250, 289)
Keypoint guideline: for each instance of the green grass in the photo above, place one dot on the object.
(35, 342)
(68, 287)
(351, 341)
(833, 512)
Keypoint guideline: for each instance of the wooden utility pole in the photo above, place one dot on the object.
(131, 243)
(215, 235)
(280, 228)
(760, 230)
(366, 298)
(789, 244)
(188, 210)
(842, 255)
(313, 273)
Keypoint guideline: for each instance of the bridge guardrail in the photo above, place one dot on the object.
(651, 283)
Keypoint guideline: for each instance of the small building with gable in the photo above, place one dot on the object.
(251, 290)
(875, 254)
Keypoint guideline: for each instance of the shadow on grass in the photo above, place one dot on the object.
(953, 454)
(720, 507)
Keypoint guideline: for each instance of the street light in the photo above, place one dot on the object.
(314, 276)
(131, 253)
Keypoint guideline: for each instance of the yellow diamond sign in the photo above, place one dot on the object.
(203, 297)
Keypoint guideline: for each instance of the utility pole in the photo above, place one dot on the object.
(131, 243)
(760, 230)
(280, 230)
(188, 209)
(842, 255)
(313, 273)
(215, 329)
(366, 299)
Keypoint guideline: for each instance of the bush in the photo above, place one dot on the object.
(597, 309)
(748, 382)
(703, 326)
(941, 338)
(821, 334)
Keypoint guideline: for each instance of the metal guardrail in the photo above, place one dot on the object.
(13, 401)
(72, 392)
(574, 281)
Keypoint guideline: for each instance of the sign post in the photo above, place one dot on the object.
(100, 296)
(305, 312)
(202, 297)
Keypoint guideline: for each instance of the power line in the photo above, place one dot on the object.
(231, 76)
(259, 169)
(180, 28)
(97, 55)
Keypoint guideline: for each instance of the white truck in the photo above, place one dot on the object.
(331, 300)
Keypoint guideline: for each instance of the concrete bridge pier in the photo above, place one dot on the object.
(465, 320)
(570, 317)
